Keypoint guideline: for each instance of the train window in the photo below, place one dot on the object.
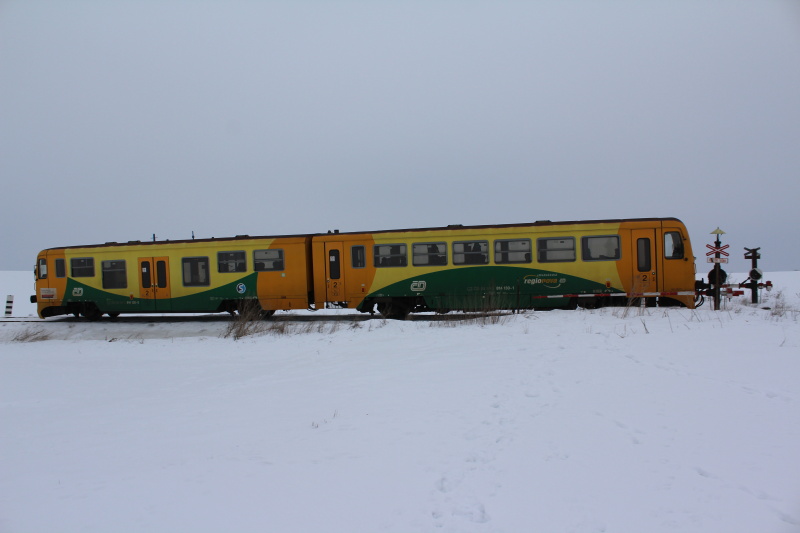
(429, 253)
(643, 255)
(114, 274)
(161, 274)
(512, 251)
(390, 255)
(358, 256)
(82, 267)
(600, 248)
(61, 268)
(334, 268)
(471, 253)
(673, 245)
(42, 273)
(146, 277)
(268, 260)
(231, 262)
(195, 272)
(555, 250)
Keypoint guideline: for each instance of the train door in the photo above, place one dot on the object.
(359, 277)
(677, 272)
(154, 282)
(645, 273)
(334, 272)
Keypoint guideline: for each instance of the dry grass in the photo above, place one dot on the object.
(30, 335)
(780, 309)
(248, 321)
(483, 318)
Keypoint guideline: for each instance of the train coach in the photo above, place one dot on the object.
(193, 276)
(515, 266)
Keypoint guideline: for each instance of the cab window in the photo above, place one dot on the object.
(673, 245)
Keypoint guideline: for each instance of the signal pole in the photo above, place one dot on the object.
(755, 272)
(719, 275)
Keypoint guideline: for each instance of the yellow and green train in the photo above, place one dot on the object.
(515, 266)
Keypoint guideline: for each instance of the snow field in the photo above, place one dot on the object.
(611, 420)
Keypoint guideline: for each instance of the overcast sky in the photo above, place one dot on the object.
(124, 119)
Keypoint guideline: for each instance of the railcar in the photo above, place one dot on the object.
(192, 276)
(518, 266)
(515, 266)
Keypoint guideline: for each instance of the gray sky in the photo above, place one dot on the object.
(121, 119)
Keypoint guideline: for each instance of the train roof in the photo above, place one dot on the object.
(184, 241)
(538, 223)
(303, 236)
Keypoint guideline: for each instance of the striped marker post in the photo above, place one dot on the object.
(9, 304)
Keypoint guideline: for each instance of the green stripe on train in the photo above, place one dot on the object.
(203, 302)
(492, 287)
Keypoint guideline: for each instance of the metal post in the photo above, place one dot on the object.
(9, 304)
(717, 275)
(755, 273)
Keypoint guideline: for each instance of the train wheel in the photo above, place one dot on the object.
(91, 312)
(590, 303)
(393, 310)
(113, 315)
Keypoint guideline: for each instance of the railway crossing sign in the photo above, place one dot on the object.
(717, 249)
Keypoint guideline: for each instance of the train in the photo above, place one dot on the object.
(535, 265)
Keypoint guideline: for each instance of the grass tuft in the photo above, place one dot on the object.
(248, 321)
(30, 335)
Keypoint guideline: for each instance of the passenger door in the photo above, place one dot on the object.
(154, 282)
(645, 273)
(334, 272)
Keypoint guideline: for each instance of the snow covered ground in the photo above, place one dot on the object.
(612, 420)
